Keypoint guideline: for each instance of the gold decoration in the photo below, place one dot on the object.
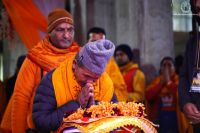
(105, 125)
(105, 117)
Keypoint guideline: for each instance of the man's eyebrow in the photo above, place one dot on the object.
(59, 28)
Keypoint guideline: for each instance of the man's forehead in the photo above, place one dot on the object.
(64, 25)
(120, 52)
(95, 34)
(167, 62)
(88, 72)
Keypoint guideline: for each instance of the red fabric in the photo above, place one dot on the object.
(128, 78)
(155, 91)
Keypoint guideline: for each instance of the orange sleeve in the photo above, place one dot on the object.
(23, 92)
(153, 89)
(6, 121)
(139, 87)
(118, 81)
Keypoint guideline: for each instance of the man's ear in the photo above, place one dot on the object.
(104, 37)
(74, 64)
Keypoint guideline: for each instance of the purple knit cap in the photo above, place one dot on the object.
(95, 55)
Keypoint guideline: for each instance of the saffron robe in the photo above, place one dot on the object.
(61, 90)
(41, 59)
(66, 88)
(118, 81)
(138, 82)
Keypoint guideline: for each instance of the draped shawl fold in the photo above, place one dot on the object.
(49, 57)
(66, 87)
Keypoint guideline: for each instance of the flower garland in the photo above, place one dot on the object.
(106, 109)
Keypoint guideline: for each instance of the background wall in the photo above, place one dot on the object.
(142, 24)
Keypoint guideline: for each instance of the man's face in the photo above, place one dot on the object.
(121, 58)
(62, 35)
(95, 36)
(83, 75)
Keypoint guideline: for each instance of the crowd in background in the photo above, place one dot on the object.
(157, 90)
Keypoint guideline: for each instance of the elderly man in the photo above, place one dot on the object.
(112, 68)
(78, 82)
(56, 47)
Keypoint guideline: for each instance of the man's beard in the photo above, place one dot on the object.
(67, 41)
(122, 63)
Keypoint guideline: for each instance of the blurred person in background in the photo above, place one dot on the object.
(6, 90)
(133, 76)
(162, 96)
(10, 82)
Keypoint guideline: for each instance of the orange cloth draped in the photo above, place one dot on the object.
(156, 90)
(138, 83)
(118, 81)
(27, 20)
(49, 57)
(66, 88)
(44, 56)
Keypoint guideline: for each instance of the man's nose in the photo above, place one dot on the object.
(67, 34)
(89, 81)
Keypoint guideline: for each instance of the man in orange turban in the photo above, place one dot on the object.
(56, 47)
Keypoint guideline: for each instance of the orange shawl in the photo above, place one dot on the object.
(66, 88)
(118, 81)
(45, 55)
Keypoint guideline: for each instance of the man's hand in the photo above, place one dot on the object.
(86, 96)
(192, 113)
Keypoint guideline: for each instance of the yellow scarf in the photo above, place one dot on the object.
(66, 87)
